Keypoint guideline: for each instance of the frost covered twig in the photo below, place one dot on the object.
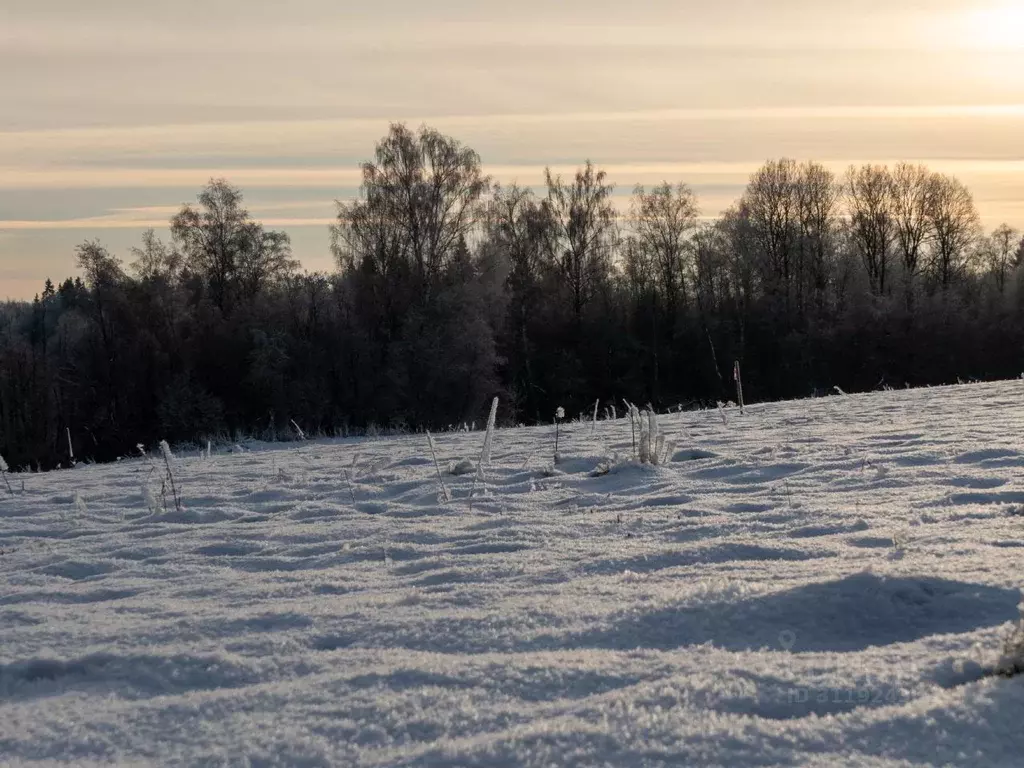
(165, 450)
(440, 479)
(485, 453)
(348, 479)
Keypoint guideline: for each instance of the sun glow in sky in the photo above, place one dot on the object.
(998, 27)
(116, 112)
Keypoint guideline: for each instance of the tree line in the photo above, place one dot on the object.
(450, 289)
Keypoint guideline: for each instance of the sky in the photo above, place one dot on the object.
(116, 112)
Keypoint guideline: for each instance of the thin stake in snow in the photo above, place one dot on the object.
(485, 454)
(298, 430)
(71, 449)
(739, 385)
(593, 428)
(440, 479)
(559, 415)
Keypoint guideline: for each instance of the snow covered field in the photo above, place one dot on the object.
(814, 583)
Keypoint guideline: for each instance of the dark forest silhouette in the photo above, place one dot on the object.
(450, 289)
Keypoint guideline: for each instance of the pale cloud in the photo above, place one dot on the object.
(117, 111)
(739, 135)
(306, 28)
(527, 175)
(998, 184)
(140, 178)
(114, 221)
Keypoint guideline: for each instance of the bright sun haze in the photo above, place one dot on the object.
(998, 26)
(115, 112)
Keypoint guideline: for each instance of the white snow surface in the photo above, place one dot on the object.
(820, 582)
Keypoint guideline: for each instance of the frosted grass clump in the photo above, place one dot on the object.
(1012, 661)
(150, 500)
(648, 432)
(4, 469)
(652, 447)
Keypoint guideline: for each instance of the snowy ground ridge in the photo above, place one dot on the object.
(818, 582)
